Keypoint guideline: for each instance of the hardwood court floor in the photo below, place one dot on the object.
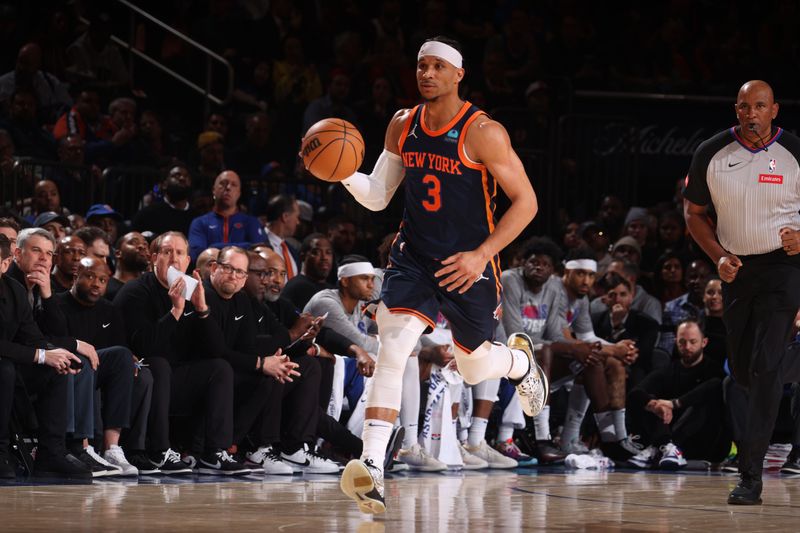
(521, 500)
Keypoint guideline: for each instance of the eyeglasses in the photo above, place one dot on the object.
(264, 275)
(238, 273)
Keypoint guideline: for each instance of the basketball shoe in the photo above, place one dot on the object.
(533, 388)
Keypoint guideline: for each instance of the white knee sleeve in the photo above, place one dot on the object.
(486, 390)
(398, 334)
(488, 361)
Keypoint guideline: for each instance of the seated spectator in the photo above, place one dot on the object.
(205, 261)
(91, 318)
(627, 249)
(642, 300)
(638, 225)
(50, 92)
(22, 124)
(127, 147)
(611, 215)
(46, 198)
(603, 366)
(283, 217)
(217, 122)
(620, 320)
(571, 238)
(279, 320)
(671, 232)
(254, 157)
(211, 150)
(679, 408)
(94, 57)
(713, 327)
(85, 119)
(316, 256)
(44, 372)
(104, 217)
(342, 234)
(173, 212)
(225, 225)
(132, 259)
(53, 222)
(98, 245)
(77, 182)
(168, 330)
(668, 281)
(69, 252)
(333, 103)
(688, 306)
(10, 228)
(33, 261)
(264, 383)
(597, 239)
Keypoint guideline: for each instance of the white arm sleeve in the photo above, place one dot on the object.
(374, 191)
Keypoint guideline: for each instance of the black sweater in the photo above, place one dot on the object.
(688, 385)
(101, 325)
(151, 329)
(19, 334)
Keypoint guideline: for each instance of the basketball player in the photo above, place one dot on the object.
(452, 156)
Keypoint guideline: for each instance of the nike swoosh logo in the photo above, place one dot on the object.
(215, 465)
(304, 463)
(189, 313)
(212, 227)
(734, 164)
(238, 317)
(106, 325)
(260, 319)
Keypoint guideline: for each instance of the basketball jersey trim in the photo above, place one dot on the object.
(462, 153)
(402, 140)
(461, 347)
(413, 312)
(447, 127)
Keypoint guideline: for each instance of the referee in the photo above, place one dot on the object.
(751, 175)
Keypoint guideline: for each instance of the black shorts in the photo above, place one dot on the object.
(409, 286)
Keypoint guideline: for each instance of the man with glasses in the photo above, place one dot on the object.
(224, 225)
(172, 335)
(263, 380)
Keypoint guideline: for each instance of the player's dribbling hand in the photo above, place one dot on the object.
(790, 241)
(727, 267)
(463, 270)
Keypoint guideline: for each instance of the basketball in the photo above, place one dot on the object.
(332, 150)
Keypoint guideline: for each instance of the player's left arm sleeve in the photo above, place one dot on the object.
(374, 191)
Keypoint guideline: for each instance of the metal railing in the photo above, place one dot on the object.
(211, 57)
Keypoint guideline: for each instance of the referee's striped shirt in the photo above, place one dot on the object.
(755, 192)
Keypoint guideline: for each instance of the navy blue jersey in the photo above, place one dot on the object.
(449, 199)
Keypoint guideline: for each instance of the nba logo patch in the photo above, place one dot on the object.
(452, 136)
(772, 165)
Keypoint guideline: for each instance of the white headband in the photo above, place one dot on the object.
(355, 269)
(439, 49)
(581, 264)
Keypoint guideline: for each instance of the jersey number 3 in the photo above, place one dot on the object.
(434, 201)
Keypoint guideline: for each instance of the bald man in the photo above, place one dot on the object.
(69, 252)
(750, 174)
(224, 225)
(53, 96)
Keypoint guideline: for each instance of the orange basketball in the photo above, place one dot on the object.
(333, 149)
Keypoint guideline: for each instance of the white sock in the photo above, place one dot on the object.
(409, 403)
(505, 433)
(619, 424)
(541, 424)
(375, 437)
(477, 431)
(463, 434)
(577, 405)
(605, 424)
(520, 365)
